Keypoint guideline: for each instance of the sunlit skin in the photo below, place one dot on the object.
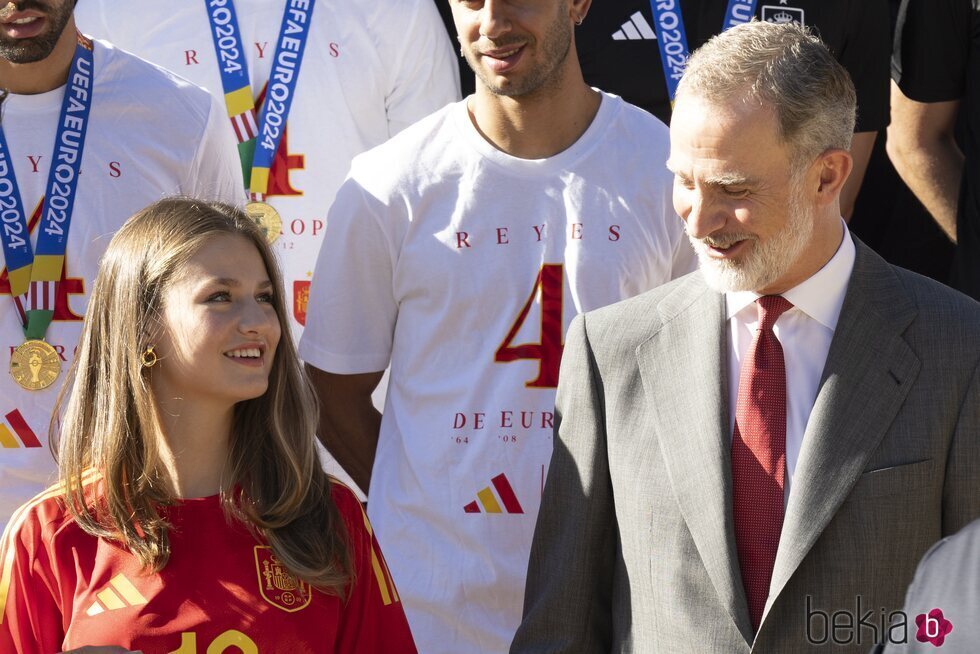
(733, 184)
(531, 100)
(37, 43)
(515, 47)
(217, 314)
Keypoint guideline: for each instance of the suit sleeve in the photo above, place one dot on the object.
(373, 620)
(961, 499)
(945, 580)
(567, 603)
(30, 616)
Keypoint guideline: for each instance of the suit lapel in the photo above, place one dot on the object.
(869, 371)
(690, 418)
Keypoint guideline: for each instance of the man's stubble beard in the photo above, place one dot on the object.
(766, 262)
(38, 48)
(555, 47)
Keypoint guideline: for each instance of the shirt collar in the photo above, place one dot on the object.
(821, 296)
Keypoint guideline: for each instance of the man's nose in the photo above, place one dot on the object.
(494, 19)
(705, 216)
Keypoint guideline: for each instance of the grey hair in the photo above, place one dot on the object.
(786, 68)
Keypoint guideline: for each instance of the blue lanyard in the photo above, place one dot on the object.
(290, 47)
(228, 46)
(23, 265)
(672, 37)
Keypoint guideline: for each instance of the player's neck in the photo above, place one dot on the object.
(538, 126)
(45, 75)
(194, 446)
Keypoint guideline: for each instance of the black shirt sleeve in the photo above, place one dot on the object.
(865, 52)
(932, 49)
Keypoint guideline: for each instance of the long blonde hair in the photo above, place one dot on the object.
(278, 487)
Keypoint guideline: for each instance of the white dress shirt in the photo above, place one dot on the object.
(805, 332)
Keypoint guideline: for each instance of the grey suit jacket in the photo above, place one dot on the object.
(634, 548)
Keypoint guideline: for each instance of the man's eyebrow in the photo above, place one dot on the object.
(722, 179)
(728, 179)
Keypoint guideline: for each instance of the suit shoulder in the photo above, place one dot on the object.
(946, 573)
(631, 321)
(946, 310)
(953, 550)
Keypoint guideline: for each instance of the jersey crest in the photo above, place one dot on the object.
(301, 300)
(277, 585)
(783, 14)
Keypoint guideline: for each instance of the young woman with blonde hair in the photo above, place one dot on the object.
(192, 514)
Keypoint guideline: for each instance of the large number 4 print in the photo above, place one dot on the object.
(550, 287)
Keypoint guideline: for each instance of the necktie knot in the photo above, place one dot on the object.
(770, 308)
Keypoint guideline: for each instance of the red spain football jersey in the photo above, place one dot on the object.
(221, 592)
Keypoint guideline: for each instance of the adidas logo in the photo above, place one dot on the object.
(16, 421)
(119, 594)
(635, 29)
(489, 501)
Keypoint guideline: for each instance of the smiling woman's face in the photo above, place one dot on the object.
(219, 326)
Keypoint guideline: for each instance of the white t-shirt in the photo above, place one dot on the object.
(370, 69)
(150, 135)
(441, 252)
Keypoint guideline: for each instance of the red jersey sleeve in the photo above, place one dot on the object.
(31, 620)
(373, 619)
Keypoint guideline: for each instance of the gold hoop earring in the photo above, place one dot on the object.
(579, 21)
(149, 357)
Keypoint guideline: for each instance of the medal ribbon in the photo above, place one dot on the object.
(258, 142)
(672, 37)
(35, 275)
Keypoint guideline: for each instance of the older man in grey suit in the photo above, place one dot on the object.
(753, 458)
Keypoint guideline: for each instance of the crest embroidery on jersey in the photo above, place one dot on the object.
(277, 585)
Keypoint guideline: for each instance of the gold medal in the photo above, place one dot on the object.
(267, 218)
(35, 365)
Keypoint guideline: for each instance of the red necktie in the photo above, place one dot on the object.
(759, 456)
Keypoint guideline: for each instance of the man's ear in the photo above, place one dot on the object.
(832, 168)
(578, 9)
